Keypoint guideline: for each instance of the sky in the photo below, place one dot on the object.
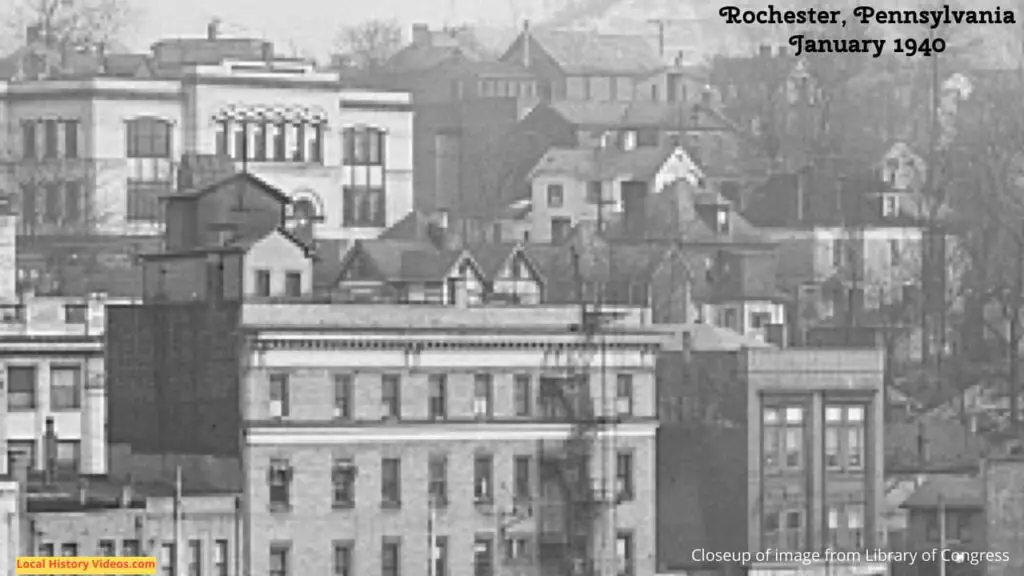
(303, 25)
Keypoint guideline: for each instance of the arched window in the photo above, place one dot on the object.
(303, 211)
(148, 138)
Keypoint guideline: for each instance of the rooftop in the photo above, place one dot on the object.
(585, 52)
(951, 491)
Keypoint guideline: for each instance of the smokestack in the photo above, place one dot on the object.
(213, 29)
(50, 450)
(421, 34)
(527, 40)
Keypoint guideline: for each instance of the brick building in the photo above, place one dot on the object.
(770, 448)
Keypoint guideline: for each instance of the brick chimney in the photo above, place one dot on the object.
(421, 34)
(213, 29)
(527, 40)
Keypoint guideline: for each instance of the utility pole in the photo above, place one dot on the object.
(928, 254)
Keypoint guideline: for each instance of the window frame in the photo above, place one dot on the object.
(437, 480)
(32, 396)
(149, 137)
(437, 399)
(522, 395)
(483, 396)
(279, 480)
(483, 479)
(391, 483)
(56, 405)
(625, 471)
(280, 552)
(555, 194)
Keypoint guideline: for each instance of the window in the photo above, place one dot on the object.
(783, 438)
(438, 479)
(51, 202)
(65, 388)
(262, 288)
(483, 388)
(280, 145)
(560, 228)
(833, 527)
(343, 483)
(855, 526)
(624, 394)
(890, 205)
(144, 199)
(521, 470)
(391, 397)
(220, 558)
(50, 139)
(391, 557)
(364, 146)
(316, 145)
(522, 395)
(594, 192)
(106, 548)
(130, 548)
(21, 388)
(793, 531)
(363, 206)
(149, 138)
(838, 251)
(29, 150)
(293, 284)
(483, 556)
(770, 533)
(556, 195)
(844, 437)
(195, 558)
(69, 455)
(46, 549)
(343, 565)
(438, 409)
(29, 212)
(517, 549)
(279, 554)
(624, 476)
(168, 560)
(958, 525)
(624, 553)
(760, 320)
(391, 482)
(279, 395)
(280, 481)
(483, 474)
(440, 556)
(69, 549)
(73, 203)
(343, 396)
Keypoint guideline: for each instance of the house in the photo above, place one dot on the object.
(229, 238)
(714, 141)
(94, 146)
(978, 519)
(570, 185)
(587, 66)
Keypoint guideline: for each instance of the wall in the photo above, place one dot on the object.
(278, 255)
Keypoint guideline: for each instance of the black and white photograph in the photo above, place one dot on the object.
(512, 288)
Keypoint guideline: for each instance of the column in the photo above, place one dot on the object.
(816, 470)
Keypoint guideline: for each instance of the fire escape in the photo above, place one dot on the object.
(573, 519)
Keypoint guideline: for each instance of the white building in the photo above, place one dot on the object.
(95, 151)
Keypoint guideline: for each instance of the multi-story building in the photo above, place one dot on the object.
(92, 151)
(765, 448)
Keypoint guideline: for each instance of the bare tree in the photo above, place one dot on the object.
(71, 24)
(369, 45)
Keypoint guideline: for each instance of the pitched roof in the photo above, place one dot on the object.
(580, 52)
(441, 46)
(641, 114)
(952, 491)
(206, 188)
(407, 261)
(491, 257)
(640, 163)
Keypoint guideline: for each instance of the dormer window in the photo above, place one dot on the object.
(892, 167)
(722, 220)
(890, 205)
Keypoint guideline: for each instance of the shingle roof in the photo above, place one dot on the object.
(207, 187)
(639, 114)
(578, 52)
(589, 164)
(953, 491)
(407, 261)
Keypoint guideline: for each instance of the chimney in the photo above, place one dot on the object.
(421, 35)
(679, 59)
(527, 40)
(50, 450)
(765, 51)
(213, 29)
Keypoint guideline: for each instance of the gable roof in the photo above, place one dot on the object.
(580, 52)
(206, 188)
(493, 257)
(642, 114)
(952, 491)
(642, 163)
(407, 261)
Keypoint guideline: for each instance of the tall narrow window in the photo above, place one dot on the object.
(299, 154)
(260, 144)
(343, 565)
(483, 556)
(222, 139)
(168, 559)
(833, 433)
(855, 437)
(195, 558)
(279, 396)
(391, 557)
(65, 388)
(316, 144)
(438, 479)
(391, 483)
(523, 395)
(483, 476)
(438, 408)
(262, 284)
(391, 397)
(343, 482)
(280, 133)
(279, 559)
(624, 394)
(73, 202)
(625, 554)
(343, 396)
(440, 556)
(521, 470)
(855, 525)
(833, 526)
(793, 540)
(29, 150)
(483, 390)
(71, 139)
(279, 479)
(220, 558)
(52, 202)
(29, 210)
(149, 152)
(293, 284)
(624, 476)
(50, 139)
(106, 548)
(793, 437)
(21, 388)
